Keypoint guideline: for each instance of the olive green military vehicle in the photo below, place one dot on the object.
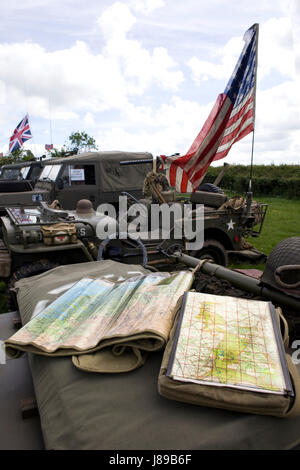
(97, 176)
(23, 171)
(37, 238)
(16, 180)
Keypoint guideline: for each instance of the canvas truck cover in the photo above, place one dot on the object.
(113, 176)
(81, 410)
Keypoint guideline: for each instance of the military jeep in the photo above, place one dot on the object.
(23, 171)
(18, 178)
(97, 176)
(226, 223)
(25, 246)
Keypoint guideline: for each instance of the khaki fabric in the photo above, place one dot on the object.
(141, 326)
(228, 398)
(59, 234)
(119, 358)
(115, 177)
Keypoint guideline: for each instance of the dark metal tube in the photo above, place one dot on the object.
(241, 281)
(136, 162)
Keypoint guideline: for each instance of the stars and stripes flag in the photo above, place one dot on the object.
(20, 135)
(48, 146)
(231, 119)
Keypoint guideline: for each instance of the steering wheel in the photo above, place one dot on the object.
(113, 236)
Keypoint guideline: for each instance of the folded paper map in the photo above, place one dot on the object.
(96, 312)
(231, 342)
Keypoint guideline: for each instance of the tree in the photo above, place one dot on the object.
(82, 141)
(17, 156)
(22, 155)
(77, 141)
(55, 153)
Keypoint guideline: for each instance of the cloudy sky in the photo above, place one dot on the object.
(143, 75)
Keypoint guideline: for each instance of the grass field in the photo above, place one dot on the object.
(282, 221)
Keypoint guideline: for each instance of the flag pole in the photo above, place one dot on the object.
(50, 122)
(254, 110)
(249, 193)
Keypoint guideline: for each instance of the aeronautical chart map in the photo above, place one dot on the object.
(96, 309)
(226, 341)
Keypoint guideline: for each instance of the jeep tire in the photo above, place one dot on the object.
(212, 249)
(27, 270)
(210, 188)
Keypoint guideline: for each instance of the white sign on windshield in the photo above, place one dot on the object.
(77, 174)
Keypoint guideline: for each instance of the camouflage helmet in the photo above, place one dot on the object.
(84, 206)
(282, 269)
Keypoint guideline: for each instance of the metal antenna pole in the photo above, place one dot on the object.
(254, 109)
(50, 122)
(251, 165)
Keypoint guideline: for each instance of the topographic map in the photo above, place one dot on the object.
(96, 309)
(226, 341)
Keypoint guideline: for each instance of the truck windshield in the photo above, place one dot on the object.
(50, 172)
(11, 174)
(24, 171)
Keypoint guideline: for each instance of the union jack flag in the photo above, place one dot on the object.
(231, 119)
(20, 135)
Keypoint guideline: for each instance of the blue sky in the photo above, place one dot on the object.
(143, 75)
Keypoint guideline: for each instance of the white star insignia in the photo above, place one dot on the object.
(230, 225)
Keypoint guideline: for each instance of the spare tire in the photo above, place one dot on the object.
(27, 270)
(210, 188)
(32, 269)
(212, 249)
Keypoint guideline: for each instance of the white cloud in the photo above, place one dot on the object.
(146, 6)
(140, 67)
(116, 21)
(275, 53)
(279, 107)
(127, 88)
(203, 70)
(168, 129)
(277, 124)
(89, 120)
(76, 79)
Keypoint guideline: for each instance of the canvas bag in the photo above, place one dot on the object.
(232, 398)
(59, 234)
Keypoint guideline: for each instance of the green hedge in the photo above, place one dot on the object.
(267, 180)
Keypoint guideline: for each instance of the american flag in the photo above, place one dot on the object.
(20, 135)
(48, 146)
(231, 119)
